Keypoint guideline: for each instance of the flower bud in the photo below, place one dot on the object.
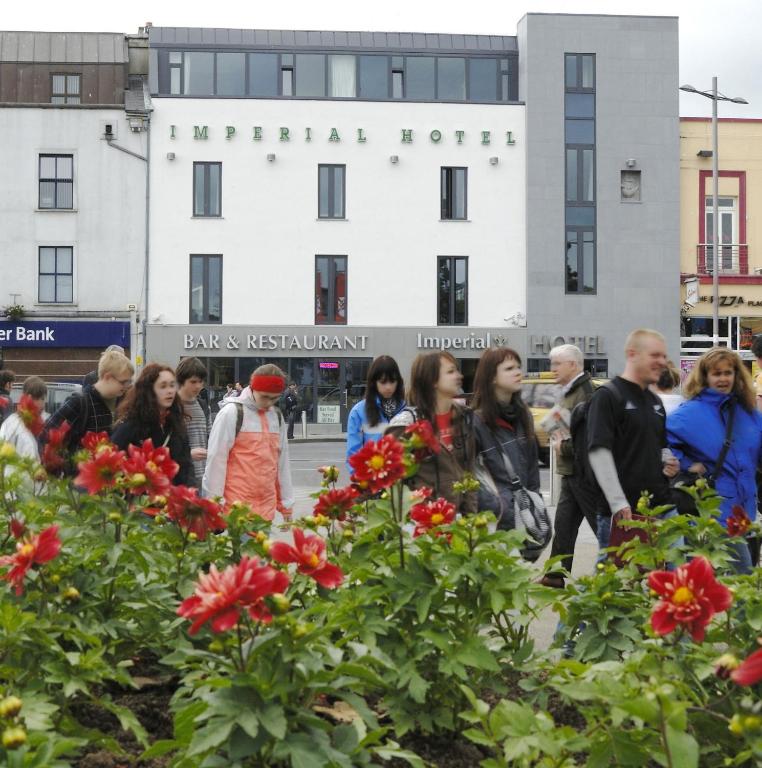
(480, 521)
(260, 537)
(606, 596)
(115, 517)
(462, 522)
(725, 665)
(40, 475)
(10, 706)
(700, 483)
(266, 544)
(348, 533)
(158, 519)
(299, 630)
(192, 536)
(216, 647)
(752, 723)
(736, 725)
(48, 514)
(137, 479)
(7, 451)
(55, 579)
(280, 603)
(71, 594)
(13, 738)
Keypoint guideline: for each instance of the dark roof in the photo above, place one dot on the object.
(63, 47)
(323, 40)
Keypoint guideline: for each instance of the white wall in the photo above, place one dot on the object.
(269, 232)
(106, 227)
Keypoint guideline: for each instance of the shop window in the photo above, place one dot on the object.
(452, 288)
(205, 288)
(330, 290)
(454, 188)
(374, 77)
(331, 191)
(231, 74)
(56, 181)
(207, 189)
(65, 89)
(56, 275)
(263, 74)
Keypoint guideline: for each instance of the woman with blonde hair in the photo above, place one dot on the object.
(717, 434)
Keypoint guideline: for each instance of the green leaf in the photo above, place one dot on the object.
(393, 751)
(683, 748)
(248, 721)
(127, 720)
(160, 748)
(211, 736)
(418, 687)
(345, 738)
(185, 721)
(475, 654)
(273, 720)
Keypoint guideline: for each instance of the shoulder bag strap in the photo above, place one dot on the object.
(167, 439)
(718, 467)
(513, 477)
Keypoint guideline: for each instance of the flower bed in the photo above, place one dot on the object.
(143, 625)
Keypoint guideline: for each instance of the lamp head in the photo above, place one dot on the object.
(688, 89)
(739, 100)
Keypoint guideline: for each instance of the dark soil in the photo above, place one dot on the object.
(448, 750)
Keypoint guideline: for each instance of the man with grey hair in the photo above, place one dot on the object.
(576, 387)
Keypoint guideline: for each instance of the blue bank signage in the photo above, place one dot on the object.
(61, 333)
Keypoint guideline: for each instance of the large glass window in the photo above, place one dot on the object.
(263, 74)
(331, 191)
(56, 181)
(452, 284)
(198, 73)
(330, 290)
(451, 79)
(231, 74)
(580, 261)
(374, 77)
(342, 71)
(56, 275)
(65, 89)
(454, 190)
(205, 288)
(482, 79)
(580, 176)
(310, 74)
(419, 77)
(207, 189)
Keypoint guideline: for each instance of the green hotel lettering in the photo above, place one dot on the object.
(436, 136)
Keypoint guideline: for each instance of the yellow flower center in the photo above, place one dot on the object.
(377, 462)
(682, 596)
(437, 518)
(26, 550)
(313, 560)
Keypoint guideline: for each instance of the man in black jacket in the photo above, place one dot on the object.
(291, 408)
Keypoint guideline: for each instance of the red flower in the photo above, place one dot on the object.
(690, 596)
(4, 403)
(738, 522)
(149, 470)
(429, 515)
(33, 550)
(309, 553)
(101, 471)
(378, 465)
(30, 414)
(336, 503)
(193, 513)
(220, 597)
(421, 437)
(749, 671)
(18, 527)
(422, 493)
(95, 442)
(53, 453)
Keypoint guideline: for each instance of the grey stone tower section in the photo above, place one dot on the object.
(638, 243)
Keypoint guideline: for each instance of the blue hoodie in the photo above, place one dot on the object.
(696, 431)
(360, 432)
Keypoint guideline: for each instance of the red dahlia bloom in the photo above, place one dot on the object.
(193, 513)
(149, 470)
(220, 597)
(421, 437)
(309, 553)
(36, 549)
(336, 503)
(690, 596)
(428, 515)
(95, 442)
(18, 527)
(738, 522)
(101, 471)
(30, 414)
(422, 493)
(749, 671)
(378, 465)
(53, 453)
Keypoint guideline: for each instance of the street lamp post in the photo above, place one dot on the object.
(715, 96)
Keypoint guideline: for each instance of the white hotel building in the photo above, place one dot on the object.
(320, 198)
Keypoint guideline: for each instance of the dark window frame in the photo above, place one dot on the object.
(331, 189)
(56, 181)
(451, 298)
(331, 319)
(447, 194)
(67, 96)
(207, 259)
(207, 196)
(56, 274)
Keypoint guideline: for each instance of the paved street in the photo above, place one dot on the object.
(306, 457)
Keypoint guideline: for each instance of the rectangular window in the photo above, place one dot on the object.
(175, 73)
(207, 189)
(65, 89)
(56, 275)
(330, 290)
(56, 182)
(452, 286)
(580, 175)
(482, 79)
(374, 77)
(231, 74)
(419, 77)
(263, 74)
(454, 189)
(451, 79)
(206, 288)
(198, 73)
(331, 191)
(342, 76)
(310, 74)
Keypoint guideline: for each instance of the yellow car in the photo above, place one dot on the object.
(541, 394)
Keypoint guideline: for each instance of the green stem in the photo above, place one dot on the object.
(663, 729)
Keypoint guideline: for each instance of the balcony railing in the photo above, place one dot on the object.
(733, 259)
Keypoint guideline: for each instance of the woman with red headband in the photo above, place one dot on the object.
(247, 456)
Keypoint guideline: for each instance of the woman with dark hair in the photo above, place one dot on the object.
(384, 399)
(435, 382)
(152, 409)
(504, 430)
(668, 388)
